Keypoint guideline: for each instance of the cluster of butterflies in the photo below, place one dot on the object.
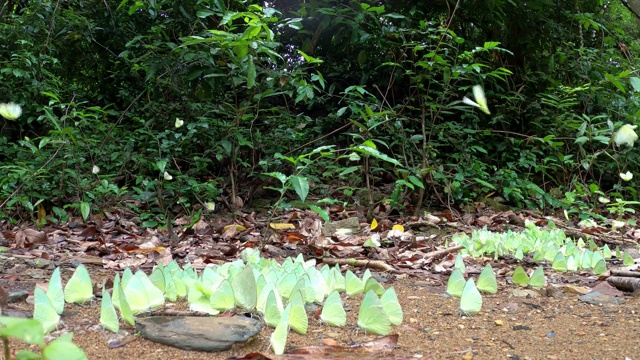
(469, 292)
(551, 245)
(251, 283)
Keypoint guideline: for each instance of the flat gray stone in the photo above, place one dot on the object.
(198, 333)
(597, 298)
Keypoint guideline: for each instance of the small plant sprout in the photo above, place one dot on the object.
(179, 123)
(481, 100)
(626, 176)
(10, 111)
(626, 135)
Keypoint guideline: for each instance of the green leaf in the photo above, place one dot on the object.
(278, 175)
(161, 164)
(323, 213)
(484, 183)
(300, 185)
(310, 59)
(416, 181)
(28, 330)
(63, 348)
(85, 209)
(27, 355)
(635, 82)
(377, 154)
(251, 72)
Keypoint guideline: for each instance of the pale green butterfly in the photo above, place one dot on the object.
(600, 268)
(538, 256)
(222, 298)
(211, 278)
(79, 288)
(126, 275)
(480, 100)
(170, 290)
(487, 281)
(606, 252)
(550, 253)
(108, 316)
(245, 289)
(537, 279)
(286, 283)
(279, 336)
(135, 295)
(353, 284)
(262, 297)
(332, 310)
(391, 306)
(618, 254)
(571, 263)
(586, 260)
(373, 284)
(155, 295)
(626, 135)
(199, 299)
(520, 276)
(459, 264)
(179, 284)
(339, 278)
(318, 284)
(471, 300)
(55, 292)
(519, 254)
(273, 308)
(157, 277)
(115, 296)
(456, 283)
(366, 275)
(372, 317)
(189, 272)
(173, 267)
(560, 263)
(595, 258)
(301, 286)
(44, 311)
(627, 260)
(298, 320)
(141, 295)
(125, 310)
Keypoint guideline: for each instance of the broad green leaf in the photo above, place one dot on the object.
(300, 185)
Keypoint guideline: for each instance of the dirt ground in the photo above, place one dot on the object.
(537, 327)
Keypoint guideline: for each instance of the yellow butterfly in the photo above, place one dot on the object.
(481, 101)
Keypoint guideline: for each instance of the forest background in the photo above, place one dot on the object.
(166, 108)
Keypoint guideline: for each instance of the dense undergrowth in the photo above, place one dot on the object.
(171, 107)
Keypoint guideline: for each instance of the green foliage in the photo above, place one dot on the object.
(30, 331)
(163, 107)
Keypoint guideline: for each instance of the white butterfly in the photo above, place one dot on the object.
(481, 101)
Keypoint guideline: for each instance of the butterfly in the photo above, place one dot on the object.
(79, 288)
(471, 300)
(332, 311)
(480, 100)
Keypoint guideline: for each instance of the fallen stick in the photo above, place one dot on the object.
(374, 264)
(441, 253)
